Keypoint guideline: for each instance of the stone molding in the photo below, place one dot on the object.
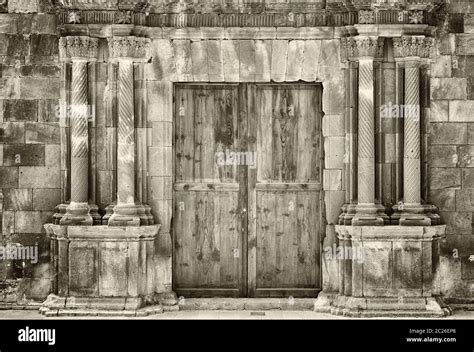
(412, 46)
(129, 48)
(78, 48)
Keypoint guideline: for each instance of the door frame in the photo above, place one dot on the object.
(247, 197)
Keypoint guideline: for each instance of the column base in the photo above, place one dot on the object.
(415, 215)
(348, 306)
(125, 215)
(137, 214)
(348, 212)
(102, 270)
(77, 214)
(56, 306)
(369, 215)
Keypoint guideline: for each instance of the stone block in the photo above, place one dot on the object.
(22, 6)
(444, 199)
(43, 45)
(39, 88)
(458, 223)
(461, 110)
(332, 180)
(53, 155)
(468, 178)
(44, 24)
(48, 110)
(44, 133)
(333, 126)
(46, 199)
(466, 156)
(9, 177)
(39, 177)
(18, 47)
(40, 70)
(465, 44)
(439, 110)
(8, 23)
(20, 110)
(31, 221)
(448, 133)
(443, 156)
(448, 88)
(467, 268)
(23, 155)
(12, 132)
(334, 201)
(465, 200)
(334, 150)
(442, 178)
(441, 66)
(17, 199)
(470, 134)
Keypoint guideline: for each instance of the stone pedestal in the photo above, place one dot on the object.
(386, 271)
(102, 270)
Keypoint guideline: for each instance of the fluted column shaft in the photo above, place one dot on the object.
(366, 145)
(79, 134)
(365, 50)
(125, 136)
(80, 50)
(411, 157)
(125, 51)
(410, 51)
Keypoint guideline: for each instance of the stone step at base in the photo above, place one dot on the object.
(143, 312)
(296, 304)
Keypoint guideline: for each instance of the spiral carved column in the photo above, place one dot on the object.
(365, 50)
(125, 51)
(411, 52)
(80, 50)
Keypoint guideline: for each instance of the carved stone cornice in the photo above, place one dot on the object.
(412, 46)
(78, 48)
(353, 48)
(129, 48)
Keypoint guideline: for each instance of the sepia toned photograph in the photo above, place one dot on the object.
(237, 160)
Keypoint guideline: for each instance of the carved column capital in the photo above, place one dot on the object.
(131, 48)
(76, 48)
(354, 48)
(412, 47)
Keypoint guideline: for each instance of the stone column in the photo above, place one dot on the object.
(411, 51)
(126, 51)
(366, 50)
(80, 50)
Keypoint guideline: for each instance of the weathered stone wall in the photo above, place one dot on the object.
(451, 157)
(29, 141)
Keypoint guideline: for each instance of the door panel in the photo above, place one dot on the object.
(240, 230)
(286, 191)
(207, 230)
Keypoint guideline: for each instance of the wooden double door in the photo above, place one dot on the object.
(247, 190)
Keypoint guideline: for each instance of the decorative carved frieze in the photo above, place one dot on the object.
(78, 47)
(357, 47)
(134, 48)
(412, 46)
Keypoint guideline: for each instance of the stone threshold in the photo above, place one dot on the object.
(247, 304)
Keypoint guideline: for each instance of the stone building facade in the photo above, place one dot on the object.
(97, 174)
